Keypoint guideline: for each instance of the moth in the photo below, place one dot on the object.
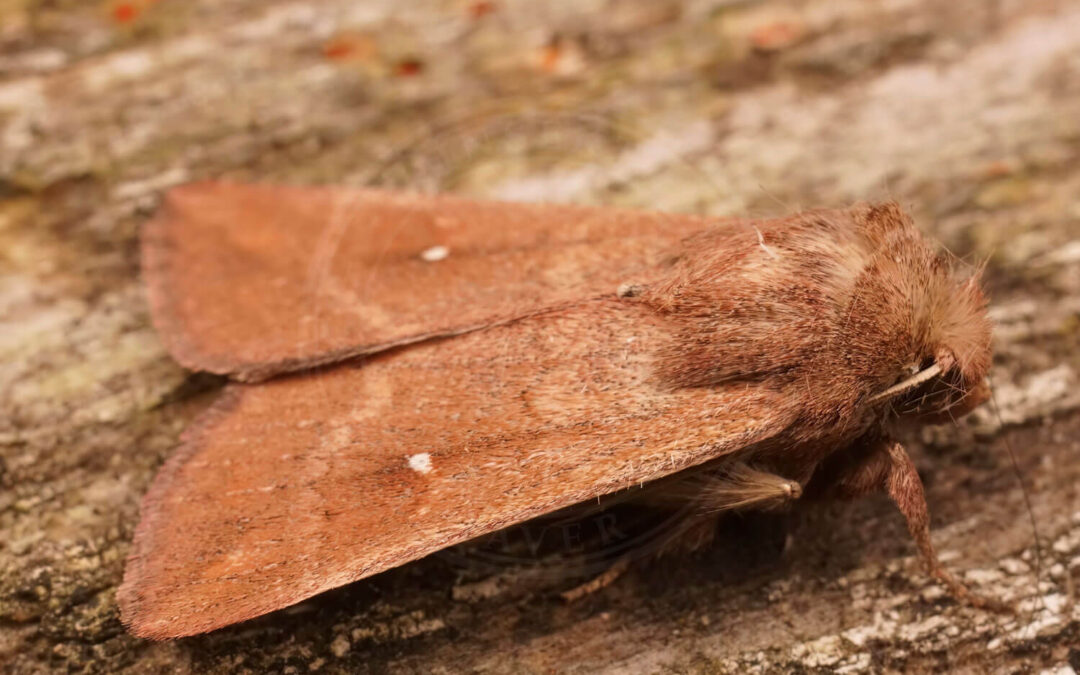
(410, 372)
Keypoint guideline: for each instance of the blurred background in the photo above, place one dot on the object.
(967, 113)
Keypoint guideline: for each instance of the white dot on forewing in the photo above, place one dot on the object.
(420, 462)
(434, 254)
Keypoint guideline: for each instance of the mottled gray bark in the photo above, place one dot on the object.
(966, 112)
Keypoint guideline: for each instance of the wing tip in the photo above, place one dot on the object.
(158, 241)
(142, 619)
(137, 610)
(138, 617)
(160, 237)
(162, 620)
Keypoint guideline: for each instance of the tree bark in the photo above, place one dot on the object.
(968, 113)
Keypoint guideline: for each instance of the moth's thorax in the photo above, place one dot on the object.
(835, 306)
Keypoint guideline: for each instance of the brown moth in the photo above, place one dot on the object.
(498, 362)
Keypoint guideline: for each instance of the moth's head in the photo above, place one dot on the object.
(920, 322)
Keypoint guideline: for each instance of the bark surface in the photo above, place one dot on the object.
(966, 112)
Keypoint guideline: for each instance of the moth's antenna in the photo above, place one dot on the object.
(915, 380)
(1023, 491)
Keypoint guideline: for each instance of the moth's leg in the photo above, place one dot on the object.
(906, 489)
(710, 492)
(734, 486)
(704, 494)
(600, 581)
(731, 486)
(693, 534)
(740, 486)
(891, 469)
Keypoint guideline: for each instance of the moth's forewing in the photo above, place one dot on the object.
(252, 280)
(308, 482)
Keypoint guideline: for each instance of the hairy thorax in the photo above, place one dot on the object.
(852, 313)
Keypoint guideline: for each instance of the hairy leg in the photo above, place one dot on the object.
(889, 468)
(732, 487)
(600, 581)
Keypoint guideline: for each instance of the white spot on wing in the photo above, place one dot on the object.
(434, 254)
(420, 462)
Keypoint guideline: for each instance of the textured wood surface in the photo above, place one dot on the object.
(968, 113)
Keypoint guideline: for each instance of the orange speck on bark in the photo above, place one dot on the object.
(125, 12)
(409, 67)
(771, 37)
(549, 57)
(997, 169)
(350, 46)
(337, 50)
(481, 8)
